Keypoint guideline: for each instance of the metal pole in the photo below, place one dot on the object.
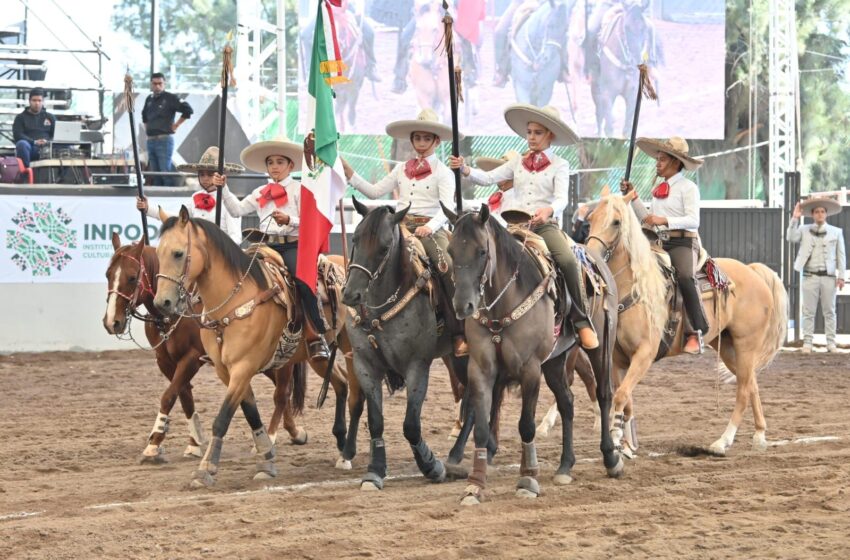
(226, 80)
(154, 36)
(140, 183)
(448, 45)
(281, 68)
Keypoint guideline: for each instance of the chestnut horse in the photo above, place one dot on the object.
(250, 327)
(747, 323)
(131, 282)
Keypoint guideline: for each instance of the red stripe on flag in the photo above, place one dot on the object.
(314, 230)
(333, 33)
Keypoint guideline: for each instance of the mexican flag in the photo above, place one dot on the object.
(323, 184)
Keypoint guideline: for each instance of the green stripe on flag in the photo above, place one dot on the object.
(325, 126)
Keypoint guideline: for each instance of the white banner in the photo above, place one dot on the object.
(54, 239)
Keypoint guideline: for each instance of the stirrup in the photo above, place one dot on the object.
(318, 349)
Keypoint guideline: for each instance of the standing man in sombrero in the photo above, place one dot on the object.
(674, 214)
(541, 187)
(278, 204)
(423, 182)
(203, 200)
(822, 261)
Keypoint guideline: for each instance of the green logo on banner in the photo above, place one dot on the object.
(40, 239)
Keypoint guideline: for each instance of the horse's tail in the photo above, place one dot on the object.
(299, 388)
(777, 324)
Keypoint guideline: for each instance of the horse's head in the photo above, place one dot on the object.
(635, 28)
(471, 248)
(127, 283)
(608, 221)
(376, 239)
(181, 261)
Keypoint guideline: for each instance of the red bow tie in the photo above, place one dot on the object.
(204, 201)
(662, 190)
(273, 192)
(417, 168)
(495, 201)
(536, 161)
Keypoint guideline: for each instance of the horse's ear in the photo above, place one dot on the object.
(606, 190)
(116, 241)
(484, 214)
(448, 214)
(163, 215)
(361, 208)
(399, 216)
(184, 215)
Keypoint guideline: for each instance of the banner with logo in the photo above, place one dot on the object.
(54, 239)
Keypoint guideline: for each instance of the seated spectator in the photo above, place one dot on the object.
(32, 128)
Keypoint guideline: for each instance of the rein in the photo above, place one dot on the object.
(144, 286)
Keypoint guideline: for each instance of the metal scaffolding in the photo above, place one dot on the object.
(783, 80)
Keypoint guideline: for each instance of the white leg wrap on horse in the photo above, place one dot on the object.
(548, 421)
(759, 440)
(196, 429)
(263, 443)
(160, 425)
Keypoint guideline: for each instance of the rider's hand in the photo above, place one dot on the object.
(626, 186)
(542, 215)
(219, 180)
(349, 172)
(281, 218)
(423, 231)
(458, 163)
(653, 220)
(798, 212)
(840, 283)
(142, 204)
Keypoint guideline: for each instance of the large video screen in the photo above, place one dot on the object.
(580, 56)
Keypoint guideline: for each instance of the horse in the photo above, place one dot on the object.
(350, 36)
(625, 36)
(394, 333)
(491, 265)
(131, 282)
(747, 323)
(428, 70)
(577, 362)
(250, 325)
(537, 53)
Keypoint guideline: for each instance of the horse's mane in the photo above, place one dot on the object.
(235, 260)
(371, 222)
(648, 285)
(508, 249)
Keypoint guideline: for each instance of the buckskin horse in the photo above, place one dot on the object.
(250, 325)
(492, 265)
(394, 333)
(747, 320)
(131, 282)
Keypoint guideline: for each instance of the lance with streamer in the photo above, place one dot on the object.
(129, 101)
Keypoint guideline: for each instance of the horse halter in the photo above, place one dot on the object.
(609, 249)
(142, 286)
(182, 292)
(373, 276)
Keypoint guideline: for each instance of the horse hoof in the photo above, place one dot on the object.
(265, 471)
(369, 486)
(343, 464)
(301, 438)
(527, 487)
(562, 479)
(542, 432)
(472, 496)
(628, 453)
(201, 479)
(371, 482)
(454, 433)
(153, 455)
(455, 471)
(193, 452)
(263, 475)
(617, 470)
(470, 501)
(759, 442)
(718, 448)
(438, 473)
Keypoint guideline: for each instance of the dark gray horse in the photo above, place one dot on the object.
(622, 42)
(490, 265)
(538, 53)
(394, 334)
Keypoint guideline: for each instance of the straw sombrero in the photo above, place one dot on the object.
(519, 115)
(427, 121)
(831, 205)
(491, 163)
(675, 147)
(209, 162)
(254, 156)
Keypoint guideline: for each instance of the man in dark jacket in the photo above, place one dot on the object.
(32, 128)
(158, 116)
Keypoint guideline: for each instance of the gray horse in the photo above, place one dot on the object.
(490, 265)
(537, 53)
(394, 334)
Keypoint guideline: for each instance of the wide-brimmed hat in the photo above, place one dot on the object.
(831, 205)
(519, 115)
(426, 121)
(676, 147)
(514, 216)
(254, 156)
(490, 163)
(209, 162)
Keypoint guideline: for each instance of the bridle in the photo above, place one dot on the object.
(609, 249)
(142, 286)
(373, 276)
(182, 291)
(487, 273)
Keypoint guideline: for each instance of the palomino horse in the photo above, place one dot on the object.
(394, 333)
(249, 326)
(132, 282)
(537, 53)
(747, 324)
(491, 265)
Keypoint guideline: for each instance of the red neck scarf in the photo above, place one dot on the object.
(495, 201)
(417, 168)
(273, 192)
(204, 201)
(536, 161)
(662, 190)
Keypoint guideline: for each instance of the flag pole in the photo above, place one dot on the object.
(129, 101)
(226, 80)
(454, 78)
(644, 89)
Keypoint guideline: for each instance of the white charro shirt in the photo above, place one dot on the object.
(250, 204)
(230, 224)
(681, 207)
(424, 195)
(532, 190)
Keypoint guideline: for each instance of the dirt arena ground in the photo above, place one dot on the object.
(74, 424)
